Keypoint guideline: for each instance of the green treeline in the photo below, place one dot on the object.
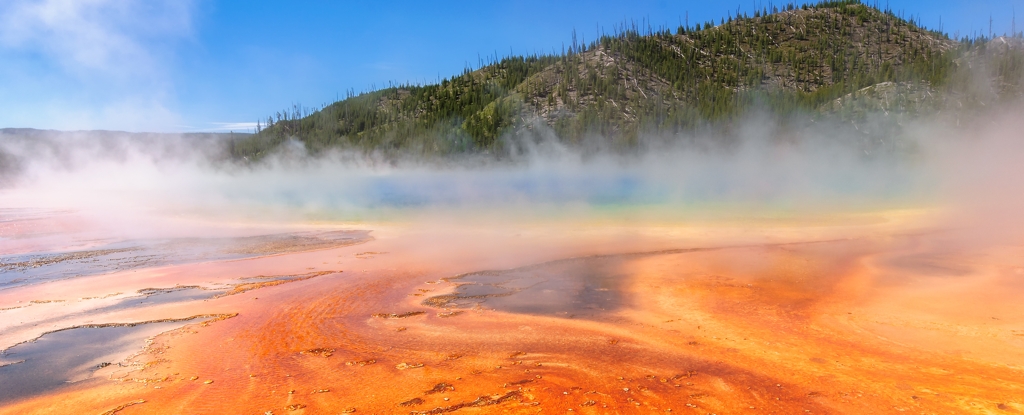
(797, 59)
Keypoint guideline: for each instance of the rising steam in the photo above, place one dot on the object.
(761, 169)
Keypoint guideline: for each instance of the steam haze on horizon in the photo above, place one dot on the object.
(972, 174)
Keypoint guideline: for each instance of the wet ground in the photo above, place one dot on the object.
(34, 268)
(883, 317)
(60, 326)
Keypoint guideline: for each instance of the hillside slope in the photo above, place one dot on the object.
(829, 59)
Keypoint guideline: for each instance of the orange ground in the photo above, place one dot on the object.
(780, 319)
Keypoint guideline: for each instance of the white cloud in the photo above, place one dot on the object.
(113, 37)
(231, 126)
(107, 63)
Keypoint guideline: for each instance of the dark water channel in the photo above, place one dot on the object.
(584, 287)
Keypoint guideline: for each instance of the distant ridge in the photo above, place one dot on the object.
(839, 59)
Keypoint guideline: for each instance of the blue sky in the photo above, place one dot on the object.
(218, 65)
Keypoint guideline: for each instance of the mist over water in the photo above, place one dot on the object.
(760, 168)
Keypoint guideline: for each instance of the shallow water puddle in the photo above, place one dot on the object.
(581, 287)
(72, 355)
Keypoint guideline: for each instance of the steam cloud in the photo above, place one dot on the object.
(974, 171)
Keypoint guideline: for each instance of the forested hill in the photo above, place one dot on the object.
(836, 58)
